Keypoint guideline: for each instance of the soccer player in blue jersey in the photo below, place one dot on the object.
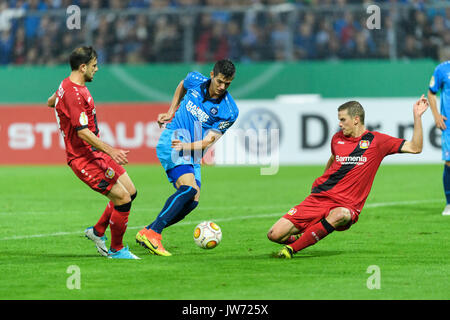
(440, 81)
(205, 111)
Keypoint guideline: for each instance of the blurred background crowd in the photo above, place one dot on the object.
(149, 31)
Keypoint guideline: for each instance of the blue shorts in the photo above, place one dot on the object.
(445, 141)
(174, 162)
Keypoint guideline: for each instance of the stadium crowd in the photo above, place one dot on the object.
(129, 31)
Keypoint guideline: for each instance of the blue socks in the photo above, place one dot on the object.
(174, 206)
(188, 207)
(447, 182)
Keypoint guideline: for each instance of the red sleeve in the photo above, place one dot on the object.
(76, 106)
(388, 144)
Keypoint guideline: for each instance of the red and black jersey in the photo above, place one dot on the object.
(75, 110)
(356, 161)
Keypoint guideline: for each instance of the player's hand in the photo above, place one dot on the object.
(420, 106)
(164, 118)
(440, 122)
(51, 100)
(177, 145)
(119, 156)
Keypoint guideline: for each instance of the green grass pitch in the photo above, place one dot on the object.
(401, 231)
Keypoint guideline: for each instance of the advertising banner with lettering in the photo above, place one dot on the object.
(30, 134)
(267, 133)
(273, 132)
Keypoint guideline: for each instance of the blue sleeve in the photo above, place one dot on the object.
(193, 79)
(436, 81)
(223, 125)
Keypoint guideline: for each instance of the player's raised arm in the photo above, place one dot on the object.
(415, 145)
(180, 91)
(210, 138)
(118, 155)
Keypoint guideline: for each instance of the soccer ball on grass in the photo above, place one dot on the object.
(207, 235)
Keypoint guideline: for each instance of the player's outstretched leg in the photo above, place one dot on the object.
(337, 218)
(311, 236)
(150, 236)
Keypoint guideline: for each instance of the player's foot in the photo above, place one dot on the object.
(292, 238)
(98, 241)
(286, 253)
(123, 253)
(446, 211)
(152, 241)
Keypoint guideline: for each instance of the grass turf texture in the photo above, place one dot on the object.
(401, 230)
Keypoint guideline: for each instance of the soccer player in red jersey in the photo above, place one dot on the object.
(96, 163)
(338, 196)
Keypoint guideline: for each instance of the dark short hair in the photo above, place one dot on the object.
(354, 108)
(225, 67)
(81, 55)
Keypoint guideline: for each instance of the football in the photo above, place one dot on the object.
(207, 235)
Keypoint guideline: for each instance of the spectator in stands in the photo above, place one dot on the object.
(213, 44)
(20, 47)
(411, 48)
(234, 41)
(6, 46)
(32, 22)
(167, 44)
(280, 41)
(251, 34)
(305, 42)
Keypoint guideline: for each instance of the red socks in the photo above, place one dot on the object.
(118, 225)
(312, 235)
(117, 218)
(103, 223)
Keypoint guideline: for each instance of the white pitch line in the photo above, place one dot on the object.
(186, 223)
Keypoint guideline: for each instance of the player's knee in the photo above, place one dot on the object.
(274, 236)
(124, 208)
(339, 217)
(191, 191)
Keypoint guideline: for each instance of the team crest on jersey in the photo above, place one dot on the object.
(214, 111)
(109, 173)
(292, 211)
(83, 119)
(364, 144)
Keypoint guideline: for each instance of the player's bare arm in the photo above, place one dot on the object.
(439, 119)
(51, 101)
(180, 91)
(118, 155)
(329, 163)
(415, 145)
(208, 141)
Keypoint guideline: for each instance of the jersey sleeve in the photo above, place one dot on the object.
(436, 81)
(388, 144)
(193, 79)
(76, 107)
(222, 126)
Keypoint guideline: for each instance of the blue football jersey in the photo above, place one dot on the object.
(440, 81)
(198, 113)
